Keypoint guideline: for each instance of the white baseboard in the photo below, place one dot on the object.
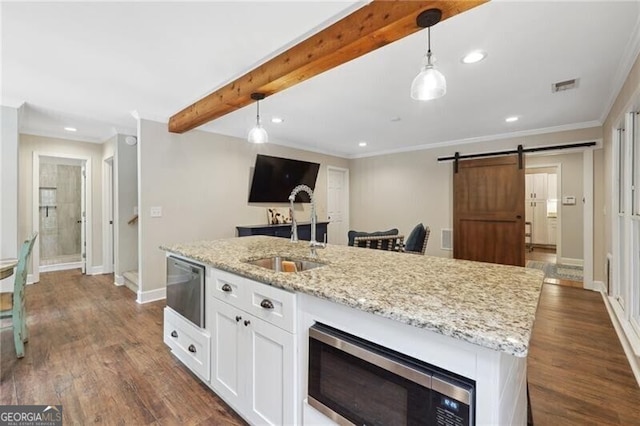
(60, 267)
(596, 286)
(570, 261)
(623, 338)
(118, 280)
(30, 279)
(151, 295)
(95, 270)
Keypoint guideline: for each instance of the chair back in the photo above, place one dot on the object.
(418, 239)
(380, 242)
(21, 275)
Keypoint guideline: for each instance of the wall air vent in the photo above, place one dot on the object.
(561, 86)
(446, 239)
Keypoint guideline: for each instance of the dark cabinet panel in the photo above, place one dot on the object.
(284, 230)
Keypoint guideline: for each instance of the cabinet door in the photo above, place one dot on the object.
(226, 350)
(270, 372)
(528, 186)
(540, 186)
(539, 223)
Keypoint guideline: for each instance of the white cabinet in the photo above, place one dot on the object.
(188, 343)
(252, 349)
(536, 214)
(539, 189)
(552, 230)
(536, 186)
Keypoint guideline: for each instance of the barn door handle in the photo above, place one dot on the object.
(518, 217)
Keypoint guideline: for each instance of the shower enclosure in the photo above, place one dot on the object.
(60, 217)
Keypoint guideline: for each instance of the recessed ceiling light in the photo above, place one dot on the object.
(362, 144)
(473, 57)
(511, 119)
(277, 120)
(71, 129)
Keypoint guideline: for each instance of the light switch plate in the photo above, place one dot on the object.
(156, 211)
(569, 200)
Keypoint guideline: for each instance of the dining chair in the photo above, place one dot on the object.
(12, 304)
(417, 241)
(380, 242)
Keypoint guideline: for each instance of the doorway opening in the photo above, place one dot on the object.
(59, 212)
(541, 212)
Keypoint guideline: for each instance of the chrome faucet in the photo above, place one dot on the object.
(313, 244)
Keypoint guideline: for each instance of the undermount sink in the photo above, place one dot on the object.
(275, 263)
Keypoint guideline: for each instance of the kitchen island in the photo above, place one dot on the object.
(473, 319)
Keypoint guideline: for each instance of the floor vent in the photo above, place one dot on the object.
(564, 85)
(446, 239)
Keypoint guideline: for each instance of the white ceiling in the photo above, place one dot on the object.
(89, 65)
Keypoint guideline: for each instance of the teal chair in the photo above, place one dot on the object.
(12, 303)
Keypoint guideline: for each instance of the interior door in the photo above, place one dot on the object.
(488, 210)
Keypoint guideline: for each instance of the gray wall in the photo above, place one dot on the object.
(400, 190)
(59, 148)
(201, 180)
(126, 199)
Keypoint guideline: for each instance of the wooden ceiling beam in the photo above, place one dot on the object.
(373, 26)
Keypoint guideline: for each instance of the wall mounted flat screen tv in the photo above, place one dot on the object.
(274, 178)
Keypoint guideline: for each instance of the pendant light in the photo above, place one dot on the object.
(258, 134)
(429, 83)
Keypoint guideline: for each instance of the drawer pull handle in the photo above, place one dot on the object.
(246, 322)
(238, 318)
(227, 288)
(174, 333)
(192, 349)
(267, 304)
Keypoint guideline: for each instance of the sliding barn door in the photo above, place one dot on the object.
(488, 210)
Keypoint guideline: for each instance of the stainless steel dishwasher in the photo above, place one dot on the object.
(185, 289)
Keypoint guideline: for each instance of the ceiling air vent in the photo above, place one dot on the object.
(564, 85)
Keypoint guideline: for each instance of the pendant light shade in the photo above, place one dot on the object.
(429, 83)
(258, 134)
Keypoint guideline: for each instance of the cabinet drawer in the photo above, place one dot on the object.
(188, 343)
(274, 305)
(227, 287)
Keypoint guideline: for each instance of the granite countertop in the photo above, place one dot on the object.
(482, 303)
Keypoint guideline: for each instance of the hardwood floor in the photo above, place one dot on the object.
(578, 373)
(100, 355)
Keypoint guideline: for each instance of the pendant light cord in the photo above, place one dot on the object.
(429, 39)
(258, 115)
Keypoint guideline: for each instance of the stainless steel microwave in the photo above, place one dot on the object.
(356, 382)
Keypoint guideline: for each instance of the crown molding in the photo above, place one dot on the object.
(480, 139)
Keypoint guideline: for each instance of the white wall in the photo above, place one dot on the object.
(400, 190)
(9, 182)
(60, 148)
(9, 118)
(201, 180)
(126, 199)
